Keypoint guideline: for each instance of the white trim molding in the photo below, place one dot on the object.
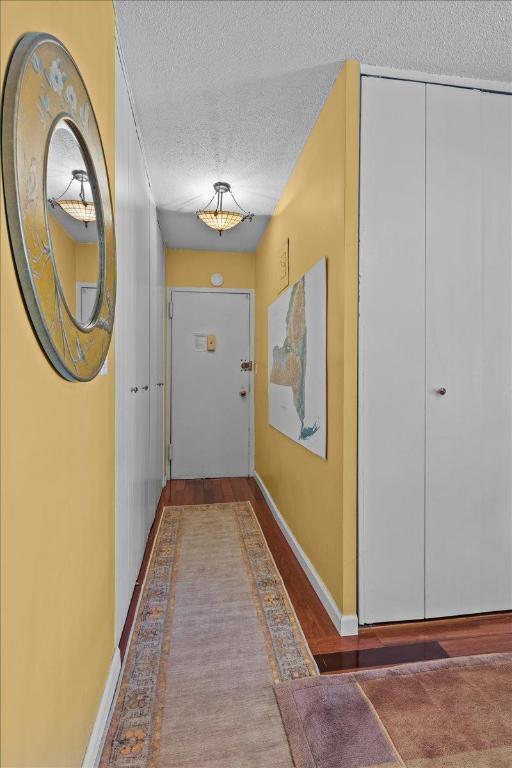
(92, 754)
(349, 624)
(374, 70)
(345, 624)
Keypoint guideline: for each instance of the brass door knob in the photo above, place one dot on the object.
(243, 392)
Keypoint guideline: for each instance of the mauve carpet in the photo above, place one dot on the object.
(214, 631)
(452, 713)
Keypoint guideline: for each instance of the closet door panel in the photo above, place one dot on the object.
(156, 354)
(454, 472)
(468, 353)
(392, 351)
(496, 531)
(141, 342)
(125, 411)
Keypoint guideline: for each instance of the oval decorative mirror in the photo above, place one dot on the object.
(58, 205)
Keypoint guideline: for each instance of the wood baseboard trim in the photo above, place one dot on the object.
(92, 753)
(345, 624)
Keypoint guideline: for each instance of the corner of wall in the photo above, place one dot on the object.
(316, 498)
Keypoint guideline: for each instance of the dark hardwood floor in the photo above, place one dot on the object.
(379, 645)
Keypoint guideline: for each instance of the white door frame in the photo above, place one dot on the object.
(79, 287)
(250, 293)
(496, 86)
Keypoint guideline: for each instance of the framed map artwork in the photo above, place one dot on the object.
(297, 381)
(284, 257)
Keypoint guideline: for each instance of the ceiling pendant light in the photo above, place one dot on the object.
(219, 219)
(79, 209)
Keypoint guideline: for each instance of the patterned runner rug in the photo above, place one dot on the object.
(214, 630)
(453, 713)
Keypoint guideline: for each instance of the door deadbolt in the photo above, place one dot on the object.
(243, 392)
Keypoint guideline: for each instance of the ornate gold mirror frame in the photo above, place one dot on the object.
(43, 85)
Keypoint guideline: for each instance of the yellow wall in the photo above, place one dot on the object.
(76, 262)
(192, 269)
(318, 212)
(57, 473)
(87, 263)
(65, 260)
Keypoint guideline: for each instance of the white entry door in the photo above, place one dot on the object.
(85, 300)
(210, 391)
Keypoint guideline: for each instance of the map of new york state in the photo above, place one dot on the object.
(289, 360)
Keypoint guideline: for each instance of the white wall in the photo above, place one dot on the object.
(139, 353)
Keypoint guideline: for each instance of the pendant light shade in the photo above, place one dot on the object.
(78, 208)
(219, 219)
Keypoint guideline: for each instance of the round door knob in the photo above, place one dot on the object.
(145, 387)
(243, 392)
(134, 389)
(441, 391)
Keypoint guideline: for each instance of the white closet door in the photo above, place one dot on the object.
(135, 506)
(496, 538)
(156, 358)
(141, 340)
(467, 519)
(124, 369)
(392, 351)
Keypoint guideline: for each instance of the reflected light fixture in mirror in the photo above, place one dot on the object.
(72, 221)
(81, 209)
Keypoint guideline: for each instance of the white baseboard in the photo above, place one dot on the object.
(345, 625)
(349, 624)
(92, 755)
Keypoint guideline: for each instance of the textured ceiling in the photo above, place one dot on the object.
(231, 90)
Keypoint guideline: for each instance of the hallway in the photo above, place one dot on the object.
(373, 646)
(256, 362)
(213, 634)
(212, 678)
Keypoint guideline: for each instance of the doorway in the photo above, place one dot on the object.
(86, 294)
(211, 377)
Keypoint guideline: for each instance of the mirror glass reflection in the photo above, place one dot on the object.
(72, 222)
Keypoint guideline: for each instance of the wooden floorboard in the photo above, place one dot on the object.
(489, 633)
(130, 617)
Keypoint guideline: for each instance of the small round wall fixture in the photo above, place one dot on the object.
(49, 130)
(216, 279)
